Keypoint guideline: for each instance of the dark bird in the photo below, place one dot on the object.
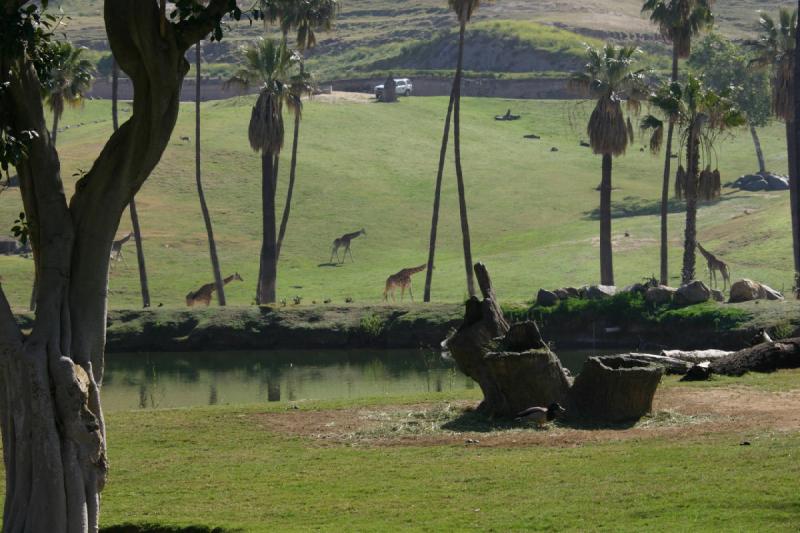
(540, 415)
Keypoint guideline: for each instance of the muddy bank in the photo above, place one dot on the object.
(617, 326)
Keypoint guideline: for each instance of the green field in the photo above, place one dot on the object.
(330, 466)
(367, 165)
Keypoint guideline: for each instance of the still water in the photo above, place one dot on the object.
(164, 380)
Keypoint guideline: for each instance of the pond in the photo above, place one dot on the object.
(166, 380)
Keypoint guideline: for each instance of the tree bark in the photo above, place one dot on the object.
(268, 269)
(606, 252)
(462, 199)
(212, 243)
(54, 133)
(766, 357)
(793, 137)
(690, 233)
(50, 411)
(437, 198)
(762, 167)
(666, 182)
(292, 173)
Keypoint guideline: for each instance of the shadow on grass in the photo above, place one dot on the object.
(473, 421)
(329, 265)
(156, 528)
(633, 206)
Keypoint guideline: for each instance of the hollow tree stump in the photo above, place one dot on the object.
(614, 389)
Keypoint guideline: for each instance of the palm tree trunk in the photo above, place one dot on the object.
(212, 243)
(292, 171)
(437, 196)
(55, 126)
(462, 200)
(276, 164)
(268, 268)
(606, 252)
(690, 233)
(666, 183)
(137, 232)
(762, 167)
(794, 194)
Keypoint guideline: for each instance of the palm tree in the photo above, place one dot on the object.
(464, 9)
(610, 79)
(775, 49)
(212, 243)
(700, 114)
(269, 64)
(678, 21)
(137, 230)
(70, 77)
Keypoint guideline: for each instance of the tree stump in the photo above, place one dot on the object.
(516, 369)
(389, 90)
(614, 389)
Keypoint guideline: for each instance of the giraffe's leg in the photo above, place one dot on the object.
(402, 292)
(411, 294)
(351, 254)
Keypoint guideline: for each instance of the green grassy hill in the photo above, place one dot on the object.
(367, 165)
(416, 36)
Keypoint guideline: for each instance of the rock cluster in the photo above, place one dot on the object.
(766, 181)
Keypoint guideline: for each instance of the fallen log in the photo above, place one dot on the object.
(696, 356)
(765, 357)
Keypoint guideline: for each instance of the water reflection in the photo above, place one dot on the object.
(164, 380)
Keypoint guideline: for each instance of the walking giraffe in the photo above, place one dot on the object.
(344, 242)
(116, 248)
(403, 280)
(204, 293)
(715, 265)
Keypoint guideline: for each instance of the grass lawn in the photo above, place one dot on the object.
(367, 165)
(276, 469)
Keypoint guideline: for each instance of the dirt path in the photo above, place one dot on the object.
(678, 413)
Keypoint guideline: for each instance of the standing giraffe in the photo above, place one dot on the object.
(344, 242)
(116, 247)
(715, 265)
(203, 294)
(403, 280)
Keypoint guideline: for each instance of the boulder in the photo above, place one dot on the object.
(717, 295)
(572, 292)
(8, 246)
(561, 293)
(694, 292)
(598, 292)
(755, 185)
(660, 295)
(640, 288)
(746, 290)
(777, 183)
(547, 298)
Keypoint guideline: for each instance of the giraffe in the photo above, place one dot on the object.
(203, 294)
(715, 264)
(344, 242)
(403, 280)
(116, 248)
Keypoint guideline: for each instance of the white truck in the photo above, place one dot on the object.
(403, 87)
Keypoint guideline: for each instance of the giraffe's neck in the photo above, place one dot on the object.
(417, 270)
(228, 279)
(125, 239)
(351, 236)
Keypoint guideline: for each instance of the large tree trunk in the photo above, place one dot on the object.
(437, 197)
(462, 198)
(690, 233)
(268, 269)
(665, 184)
(762, 167)
(137, 232)
(50, 413)
(56, 118)
(212, 243)
(290, 191)
(606, 252)
(794, 196)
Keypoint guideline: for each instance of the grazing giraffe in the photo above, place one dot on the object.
(715, 265)
(116, 248)
(403, 280)
(203, 294)
(344, 242)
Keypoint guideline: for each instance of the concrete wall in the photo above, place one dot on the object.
(214, 88)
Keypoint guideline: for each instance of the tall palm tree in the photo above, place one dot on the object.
(212, 243)
(464, 9)
(700, 115)
(775, 49)
(609, 78)
(678, 21)
(70, 77)
(137, 230)
(268, 64)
